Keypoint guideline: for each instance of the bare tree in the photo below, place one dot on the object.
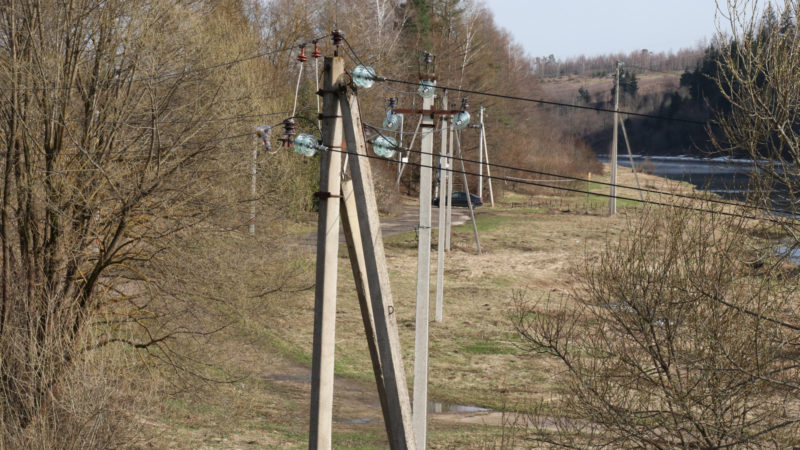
(676, 339)
(105, 121)
(758, 76)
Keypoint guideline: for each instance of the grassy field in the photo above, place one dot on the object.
(540, 248)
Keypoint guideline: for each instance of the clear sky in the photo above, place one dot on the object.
(567, 28)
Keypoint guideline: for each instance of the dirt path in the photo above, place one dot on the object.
(407, 221)
(357, 402)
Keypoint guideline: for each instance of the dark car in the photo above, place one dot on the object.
(460, 199)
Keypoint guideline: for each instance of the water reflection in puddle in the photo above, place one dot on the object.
(439, 408)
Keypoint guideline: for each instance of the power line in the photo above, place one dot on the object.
(532, 100)
(174, 74)
(145, 123)
(551, 103)
(561, 188)
(585, 180)
(501, 166)
(535, 183)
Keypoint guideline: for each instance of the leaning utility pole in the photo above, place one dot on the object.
(612, 201)
(375, 295)
(359, 212)
(466, 191)
(449, 197)
(480, 157)
(633, 166)
(488, 165)
(327, 258)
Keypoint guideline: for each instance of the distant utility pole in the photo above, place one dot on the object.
(449, 197)
(253, 173)
(263, 135)
(485, 152)
(612, 201)
(444, 173)
(633, 166)
(420, 406)
(466, 191)
(480, 156)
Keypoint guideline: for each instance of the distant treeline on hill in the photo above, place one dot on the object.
(697, 98)
(601, 66)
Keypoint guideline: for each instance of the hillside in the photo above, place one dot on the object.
(658, 94)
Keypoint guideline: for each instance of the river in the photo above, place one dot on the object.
(726, 177)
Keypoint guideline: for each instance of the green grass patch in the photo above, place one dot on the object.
(486, 222)
(364, 440)
(400, 241)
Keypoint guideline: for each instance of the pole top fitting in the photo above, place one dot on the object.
(337, 36)
(263, 134)
(302, 56)
(427, 66)
(289, 127)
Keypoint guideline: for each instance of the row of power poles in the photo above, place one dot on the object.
(349, 196)
(353, 200)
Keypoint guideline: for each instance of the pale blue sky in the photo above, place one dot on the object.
(568, 28)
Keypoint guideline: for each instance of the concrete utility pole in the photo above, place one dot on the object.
(444, 173)
(469, 200)
(633, 166)
(480, 157)
(253, 191)
(488, 166)
(420, 408)
(449, 197)
(327, 259)
(372, 277)
(404, 159)
(612, 201)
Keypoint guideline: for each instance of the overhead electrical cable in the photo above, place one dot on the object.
(172, 74)
(584, 180)
(562, 188)
(551, 103)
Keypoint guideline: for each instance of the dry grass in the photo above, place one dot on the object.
(264, 353)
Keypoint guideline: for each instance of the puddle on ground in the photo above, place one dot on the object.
(439, 408)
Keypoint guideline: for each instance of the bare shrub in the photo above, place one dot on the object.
(683, 335)
(91, 399)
